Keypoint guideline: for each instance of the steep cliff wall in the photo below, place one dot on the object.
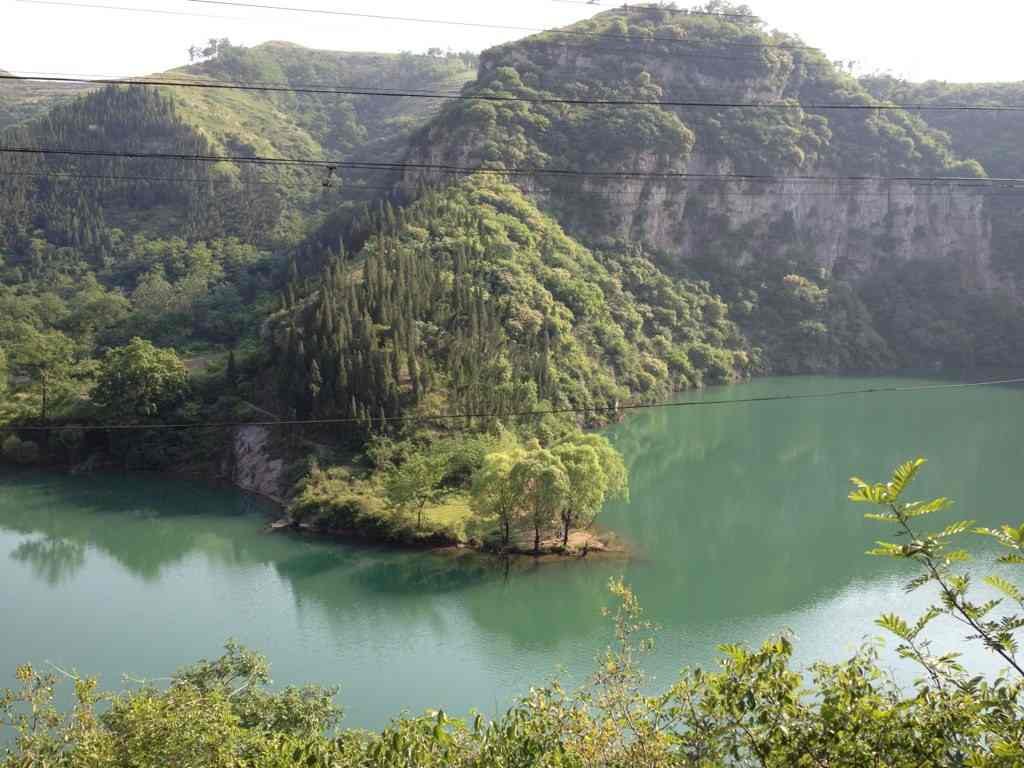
(851, 229)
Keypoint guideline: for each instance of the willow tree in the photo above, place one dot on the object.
(541, 482)
(596, 473)
(495, 495)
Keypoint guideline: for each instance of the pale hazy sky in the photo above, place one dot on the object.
(918, 39)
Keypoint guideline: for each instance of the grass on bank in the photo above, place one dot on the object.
(338, 500)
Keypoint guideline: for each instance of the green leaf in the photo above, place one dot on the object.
(871, 494)
(896, 625)
(922, 508)
(925, 619)
(1004, 586)
(885, 549)
(903, 476)
(917, 582)
(955, 529)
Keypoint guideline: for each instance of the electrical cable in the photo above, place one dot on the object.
(343, 187)
(420, 418)
(179, 179)
(508, 171)
(421, 94)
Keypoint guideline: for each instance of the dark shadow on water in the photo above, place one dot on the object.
(310, 565)
(430, 574)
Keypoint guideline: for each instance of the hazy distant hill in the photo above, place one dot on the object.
(20, 102)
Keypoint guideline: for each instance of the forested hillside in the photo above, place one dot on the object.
(265, 205)
(474, 301)
(189, 253)
(371, 294)
(992, 138)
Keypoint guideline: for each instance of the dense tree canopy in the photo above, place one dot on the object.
(140, 381)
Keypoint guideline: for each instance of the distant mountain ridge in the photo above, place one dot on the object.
(22, 102)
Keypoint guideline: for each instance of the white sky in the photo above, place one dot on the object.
(917, 39)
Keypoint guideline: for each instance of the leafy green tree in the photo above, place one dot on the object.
(44, 362)
(588, 485)
(94, 310)
(211, 715)
(140, 380)
(540, 480)
(415, 483)
(494, 494)
(596, 473)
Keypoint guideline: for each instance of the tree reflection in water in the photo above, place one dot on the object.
(52, 559)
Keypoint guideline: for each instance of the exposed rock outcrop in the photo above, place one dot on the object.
(254, 467)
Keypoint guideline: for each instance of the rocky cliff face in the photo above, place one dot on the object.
(850, 228)
(254, 468)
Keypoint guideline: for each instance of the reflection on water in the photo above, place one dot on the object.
(52, 559)
(738, 518)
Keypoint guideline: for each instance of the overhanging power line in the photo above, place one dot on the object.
(502, 171)
(440, 95)
(524, 414)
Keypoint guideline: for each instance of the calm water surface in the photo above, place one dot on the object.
(738, 519)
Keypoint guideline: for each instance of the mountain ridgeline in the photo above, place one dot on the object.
(679, 243)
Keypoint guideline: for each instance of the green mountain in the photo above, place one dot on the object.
(667, 55)
(798, 260)
(175, 236)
